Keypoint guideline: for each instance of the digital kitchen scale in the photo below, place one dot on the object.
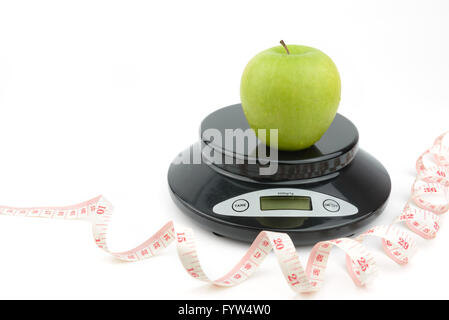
(329, 190)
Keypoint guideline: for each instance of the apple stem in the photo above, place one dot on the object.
(285, 46)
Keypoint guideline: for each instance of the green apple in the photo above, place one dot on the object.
(295, 89)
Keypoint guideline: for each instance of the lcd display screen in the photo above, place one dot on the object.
(285, 203)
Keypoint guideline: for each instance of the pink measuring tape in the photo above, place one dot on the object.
(429, 198)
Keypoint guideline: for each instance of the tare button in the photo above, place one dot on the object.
(331, 205)
(240, 205)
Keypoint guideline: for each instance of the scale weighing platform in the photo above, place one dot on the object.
(332, 189)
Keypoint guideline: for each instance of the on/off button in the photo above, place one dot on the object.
(240, 205)
(331, 205)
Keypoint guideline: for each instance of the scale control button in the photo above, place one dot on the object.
(240, 205)
(331, 205)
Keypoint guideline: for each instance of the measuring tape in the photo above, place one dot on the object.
(429, 198)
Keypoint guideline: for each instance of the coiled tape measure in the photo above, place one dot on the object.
(429, 199)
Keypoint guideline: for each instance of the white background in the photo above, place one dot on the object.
(100, 96)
